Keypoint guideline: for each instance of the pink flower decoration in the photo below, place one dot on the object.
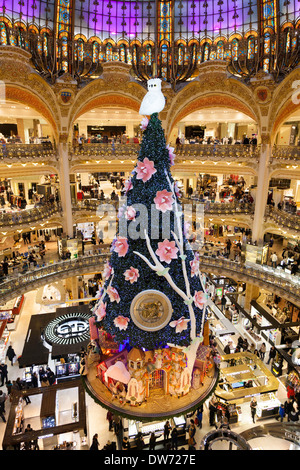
(127, 185)
(145, 170)
(131, 275)
(113, 294)
(171, 155)
(121, 322)
(167, 251)
(144, 123)
(108, 271)
(130, 213)
(101, 311)
(121, 246)
(180, 324)
(194, 267)
(200, 299)
(163, 200)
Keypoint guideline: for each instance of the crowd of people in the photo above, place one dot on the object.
(245, 140)
(82, 139)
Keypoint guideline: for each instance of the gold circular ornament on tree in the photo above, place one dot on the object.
(151, 310)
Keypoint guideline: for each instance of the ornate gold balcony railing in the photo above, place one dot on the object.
(22, 153)
(29, 216)
(286, 152)
(283, 218)
(218, 152)
(105, 151)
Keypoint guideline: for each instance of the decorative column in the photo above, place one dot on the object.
(262, 189)
(72, 287)
(252, 293)
(64, 184)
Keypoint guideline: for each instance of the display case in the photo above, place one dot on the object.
(248, 376)
(67, 371)
(267, 406)
(19, 418)
(10, 312)
(4, 339)
(48, 422)
(132, 428)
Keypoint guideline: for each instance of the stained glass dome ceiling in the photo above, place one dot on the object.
(176, 35)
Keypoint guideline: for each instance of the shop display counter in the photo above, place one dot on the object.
(10, 312)
(267, 406)
(132, 428)
(248, 378)
(4, 339)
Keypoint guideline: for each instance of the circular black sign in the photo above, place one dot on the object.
(71, 328)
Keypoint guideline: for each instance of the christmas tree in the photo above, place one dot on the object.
(151, 255)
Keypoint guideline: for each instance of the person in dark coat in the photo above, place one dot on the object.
(95, 443)
(3, 374)
(174, 439)
(10, 354)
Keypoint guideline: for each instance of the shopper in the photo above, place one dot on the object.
(274, 259)
(200, 416)
(227, 349)
(34, 380)
(109, 417)
(281, 413)
(212, 414)
(223, 303)
(3, 374)
(10, 354)
(140, 444)
(3, 398)
(95, 443)
(174, 439)
(192, 432)
(262, 351)
(51, 376)
(125, 443)
(272, 355)
(288, 408)
(253, 406)
(152, 441)
(167, 429)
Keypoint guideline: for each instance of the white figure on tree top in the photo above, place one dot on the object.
(154, 101)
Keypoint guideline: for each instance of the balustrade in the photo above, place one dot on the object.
(272, 279)
(283, 218)
(15, 153)
(28, 216)
(285, 152)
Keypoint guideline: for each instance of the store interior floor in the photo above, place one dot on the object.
(96, 415)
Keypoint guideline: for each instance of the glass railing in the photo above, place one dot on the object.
(26, 281)
(270, 278)
(255, 273)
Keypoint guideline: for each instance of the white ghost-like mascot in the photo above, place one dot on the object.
(154, 101)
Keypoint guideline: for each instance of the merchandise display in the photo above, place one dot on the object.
(11, 311)
(267, 406)
(244, 375)
(4, 339)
